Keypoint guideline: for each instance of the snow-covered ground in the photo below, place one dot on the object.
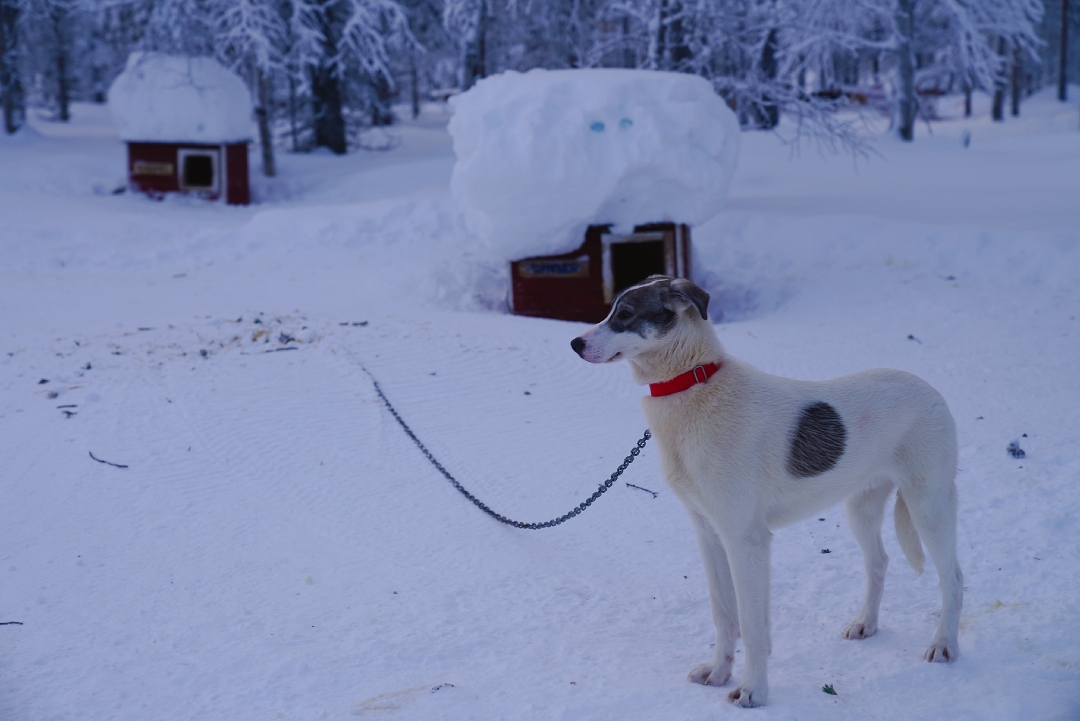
(277, 549)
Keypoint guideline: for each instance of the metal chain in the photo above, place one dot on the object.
(483, 506)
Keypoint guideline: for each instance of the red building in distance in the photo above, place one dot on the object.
(187, 125)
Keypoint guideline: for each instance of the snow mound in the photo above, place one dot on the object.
(168, 98)
(542, 155)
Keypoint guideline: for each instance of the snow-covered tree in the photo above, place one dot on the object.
(965, 44)
(804, 58)
(1060, 30)
(331, 58)
(249, 36)
(300, 44)
(468, 20)
(52, 31)
(328, 68)
(344, 47)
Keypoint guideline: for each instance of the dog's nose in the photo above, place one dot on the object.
(578, 345)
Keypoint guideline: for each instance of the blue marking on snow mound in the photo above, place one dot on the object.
(597, 126)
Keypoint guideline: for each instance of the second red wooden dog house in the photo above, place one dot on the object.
(581, 285)
(211, 171)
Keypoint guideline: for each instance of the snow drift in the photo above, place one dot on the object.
(542, 155)
(168, 98)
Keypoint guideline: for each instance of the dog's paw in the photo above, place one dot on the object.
(747, 697)
(860, 629)
(712, 674)
(941, 651)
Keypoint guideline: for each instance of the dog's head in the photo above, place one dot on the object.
(641, 318)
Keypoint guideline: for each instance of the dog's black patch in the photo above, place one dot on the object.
(818, 441)
(641, 307)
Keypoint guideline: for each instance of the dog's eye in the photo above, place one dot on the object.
(624, 314)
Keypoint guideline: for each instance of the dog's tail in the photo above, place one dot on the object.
(907, 535)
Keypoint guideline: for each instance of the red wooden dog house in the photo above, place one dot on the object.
(187, 125)
(581, 285)
(211, 171)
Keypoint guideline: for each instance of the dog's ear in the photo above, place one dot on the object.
(690, 294)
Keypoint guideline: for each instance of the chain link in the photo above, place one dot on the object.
(601, 489)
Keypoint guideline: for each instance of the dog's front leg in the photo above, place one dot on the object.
(748, 556)
(725, 609)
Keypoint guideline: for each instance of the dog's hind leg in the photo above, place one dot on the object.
(865, 512)
(725, 609)
(934, 517)
(929, 493)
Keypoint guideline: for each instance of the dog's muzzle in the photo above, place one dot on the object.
(578, 344)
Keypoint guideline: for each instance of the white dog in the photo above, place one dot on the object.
(747, 452)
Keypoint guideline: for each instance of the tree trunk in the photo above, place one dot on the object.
(414, 90)
(476, 50)
(326, 107)
(292, 114)
(266, 140)
(63, 98)
(11, 92)
(905, 24)
(1063, 76)
(382, 95)
(768, 112)
(481, 42)
(660, 60)
(328, 120)
(967, 100)
(1016, 70)
(677, 40)
(997, 111)
(63, 91)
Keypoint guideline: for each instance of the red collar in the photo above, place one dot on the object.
(681, 382)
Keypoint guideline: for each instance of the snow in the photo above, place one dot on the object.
(278, 548)
(544, 154)
(167, 98)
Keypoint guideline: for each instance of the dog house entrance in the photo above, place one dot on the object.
(630, 259)
(198, 170)
(634, 262)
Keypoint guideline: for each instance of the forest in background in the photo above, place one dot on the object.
(321, 72)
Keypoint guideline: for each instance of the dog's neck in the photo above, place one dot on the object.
(692, 342)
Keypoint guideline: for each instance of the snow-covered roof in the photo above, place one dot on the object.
(542, 155)
(168, 98)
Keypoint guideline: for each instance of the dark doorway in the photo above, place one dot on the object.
(198, 171)
(634, 262)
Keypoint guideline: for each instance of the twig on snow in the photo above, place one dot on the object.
(654, 493)
(107, 463)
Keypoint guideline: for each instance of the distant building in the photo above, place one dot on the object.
(187, 125)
